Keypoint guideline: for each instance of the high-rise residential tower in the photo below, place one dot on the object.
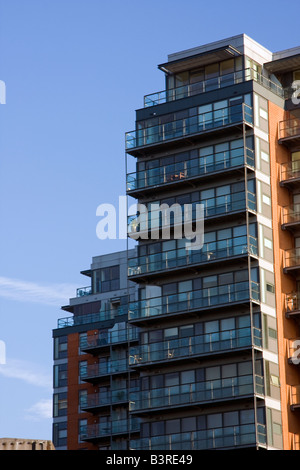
(210, 356)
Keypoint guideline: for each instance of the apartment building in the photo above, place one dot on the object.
(199, 348)
(90, 378)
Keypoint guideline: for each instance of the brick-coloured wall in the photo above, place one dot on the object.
(282, 239)
(73, 393)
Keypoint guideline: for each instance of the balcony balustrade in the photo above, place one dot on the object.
(192, 346)
(289, 132)
(291, 217)
(244, 435)
(105, 429)
(96, 371)
(191, 301)
(295, 397)
(179, 258)
(219, 206)
(189, 126)
(101, 316)
(82, 291)
(195, 393)
(108, 338)
(290, 173)
(292, 304)
(291, 261)
(192, 169)
(185, 91)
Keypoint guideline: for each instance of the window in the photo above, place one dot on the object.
(60, 404)
(60, 347)
(60, 375)
(106, 279)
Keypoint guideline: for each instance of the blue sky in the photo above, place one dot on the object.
(75, 71)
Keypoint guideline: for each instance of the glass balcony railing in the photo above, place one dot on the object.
(94, 431)
(188, 169)
(292, 302)
(82, 291)
(204, 86)
(199, 392)
(193, 300)
(291, 214)
(113, 366)
(110, 337)
(290, 171)
(196, 124)
(289, 129)
(103, 315)
(216, 438)
(208, 343)
(172, 259)
(295, 396)
(212, 207)
(106, 398)
(292, 258)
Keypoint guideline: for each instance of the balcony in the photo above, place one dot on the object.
(95, 372)
(194, 394)
(244, 435)
(290, 174)
(292, 304)
(228, 205)
(102, 316)
(183, 349)
(189, 128)
(105, 430)
(93, 343)
(169, 176)
(96, 401)
(295, 397)
(289, 132)
(176, 260)
(82, 291)
(291, 217)
(204, 86)
(291, 261)
(188, 303)
(293, 351)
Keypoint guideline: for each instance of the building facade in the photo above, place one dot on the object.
(210, 357)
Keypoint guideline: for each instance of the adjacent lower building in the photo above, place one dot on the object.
(209, 358)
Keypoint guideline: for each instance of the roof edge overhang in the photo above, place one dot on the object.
(200, 60)
(284, 65)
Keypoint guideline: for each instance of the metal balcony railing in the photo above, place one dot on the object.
(109, 337)
(184, 348)
(82, 291)
(173, 259)
(103, 315)
(185, 302)
(291, 214)
(195, 393)
(181, 128)
(105, 429)
(243, 435)
(192, 89)
(289, 129)
(157, 219)
(195, 167)
(292, 302)
(290, 171)
(292, 259)
(113, 366)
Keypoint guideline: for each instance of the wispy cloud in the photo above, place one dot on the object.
(40, 410)
(25, 291)
(26, 371)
